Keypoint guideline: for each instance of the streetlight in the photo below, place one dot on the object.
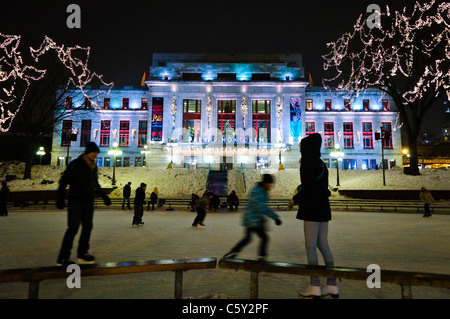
(146, 152)
(115, 151)
(171, 145)
(337, 153)
(40, 152)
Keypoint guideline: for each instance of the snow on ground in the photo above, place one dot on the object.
(181, 182)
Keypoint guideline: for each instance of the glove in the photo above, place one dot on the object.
(106, 200)
(278, 222)
(60, 203)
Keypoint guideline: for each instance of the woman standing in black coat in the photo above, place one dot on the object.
(314, 210)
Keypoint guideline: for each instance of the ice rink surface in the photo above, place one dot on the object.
(394, 241)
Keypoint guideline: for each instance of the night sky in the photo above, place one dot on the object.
(124, 34)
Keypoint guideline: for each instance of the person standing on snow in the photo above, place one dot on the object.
(254, 218)
(139, 201)
(82, 176)
(314, 210)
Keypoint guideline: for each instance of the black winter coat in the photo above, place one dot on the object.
(314, 179)
(139, 199)
(82, 180)
(127, 191)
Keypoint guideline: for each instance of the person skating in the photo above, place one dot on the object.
(201, 205)
(82, 176)
(139, 201)
(254, 218)
(314, 210)
(428, 199)
(4, 198)
(126, 195)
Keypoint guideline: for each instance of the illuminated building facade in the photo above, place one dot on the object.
(224, 111)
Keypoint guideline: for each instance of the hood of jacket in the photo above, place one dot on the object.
(310, 147)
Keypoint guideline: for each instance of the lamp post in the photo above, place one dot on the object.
(337, 153)
(115, 152)
(145, 151)
(40, 152)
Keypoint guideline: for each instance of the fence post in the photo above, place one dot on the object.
(406, 292)
(254, 285)
(33, 289)
(178, 284)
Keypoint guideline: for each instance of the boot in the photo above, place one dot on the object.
(311, 292)
(332, 291)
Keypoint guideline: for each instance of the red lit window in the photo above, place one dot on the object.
(366, 105)
(309, 104)
(124, 133)
(387, 135)
(348, 134)
(261, 120)
(66, 132)
(328, 105)
(85, 136)
(105, 131)
(192, 120)
(385, 104)
(347, 104)
(87, 103)
(310, 128)
(142, 134)
(106, 103)
(68, 102)
(367, 135)
(125, 103)
(328, 134)
(144, 104)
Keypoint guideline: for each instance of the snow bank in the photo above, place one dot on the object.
(181, 182)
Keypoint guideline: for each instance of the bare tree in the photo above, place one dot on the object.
(407, 56)
(32, 107)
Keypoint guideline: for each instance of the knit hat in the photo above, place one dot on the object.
(143, 184)
(91, 147)
(268, 179)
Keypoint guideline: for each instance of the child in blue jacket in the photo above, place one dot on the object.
(254, 218)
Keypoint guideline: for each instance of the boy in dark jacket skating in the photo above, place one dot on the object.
(82, 176)
(254, 218)
(139, 201)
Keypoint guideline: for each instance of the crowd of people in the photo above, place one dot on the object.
(311, 196)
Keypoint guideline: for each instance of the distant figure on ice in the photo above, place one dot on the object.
(194, 198)
(200, 205)
(4, 198)
(314, 210)
(233, 201)
(126, 195)
(427, 198)
(139, 201)
(254, 218)
(153, 198)
(82, 176)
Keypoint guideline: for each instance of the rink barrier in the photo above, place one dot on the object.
(403, 278)
(35, 275)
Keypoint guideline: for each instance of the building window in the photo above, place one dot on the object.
(144, 104)
(138, 162)
(387, 135)
(309, 104)
(85, 136)
(385, 104)
(349, 164)
(261, 120)
(142, 133)
(262, 162)
(107, 162)
(105, 131)
(328, 128)
(106, 103)
(328, 106)
(367, 135)
(68, 102)
(347, 105)
(126, 162)
(310, 128)
(226, 122)
(66, 132)
(348, 135)
(366, 105)
(192, 120)
(124, 133)
(87, 103)
(125, 103)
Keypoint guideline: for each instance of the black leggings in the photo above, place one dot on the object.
(261, 232)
